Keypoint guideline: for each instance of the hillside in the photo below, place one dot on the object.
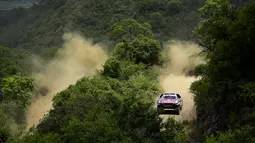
(42, 26)
(114, 102)
(102, 95)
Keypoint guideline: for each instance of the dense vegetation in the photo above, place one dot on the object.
(116, 104)
(12, 62)
(42, 26)
(225, 95)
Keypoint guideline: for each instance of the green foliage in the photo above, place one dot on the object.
(201, 70)
(141, 50)
(98, 115)
(41, 26)
(10, 131)
(17, 92)
(12, 62)
(225, 94)
(243, 135)
(18, 89)
(122, 69)
(115, 105)
(173, 132)
(218, 15)
(33, 136)
(5, 132)
(129, 29)
(115, 111)
(103, 129)
(48, 54)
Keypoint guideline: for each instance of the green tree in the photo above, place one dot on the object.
(100, 129)
(218, 15)
(172, 132)
(33, 136)
(17, 92)
(121, 69)
(12, 62)
(17, 88)
(225, 94)
(129, 29)
(141, 50)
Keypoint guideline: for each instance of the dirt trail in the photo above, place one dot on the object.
(76, 59)
(181, 85)
(183, 56)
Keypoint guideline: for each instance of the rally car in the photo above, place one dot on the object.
(169, 101)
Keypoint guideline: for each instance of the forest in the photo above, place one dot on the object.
(111, 99)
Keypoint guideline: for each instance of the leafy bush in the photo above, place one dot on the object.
(141, 50)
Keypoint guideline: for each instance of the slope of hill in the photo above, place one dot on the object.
(115, 104)
(42, 25)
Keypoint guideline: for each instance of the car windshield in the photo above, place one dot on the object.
(169, 97)
(169, 93)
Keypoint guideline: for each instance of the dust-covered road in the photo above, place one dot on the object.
(183, 56)
(75, 60)
(180, 84)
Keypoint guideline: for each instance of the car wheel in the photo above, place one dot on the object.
(178, 111)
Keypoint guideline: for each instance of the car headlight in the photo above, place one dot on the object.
(177, 102)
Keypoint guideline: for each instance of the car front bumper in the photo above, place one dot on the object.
(168, 106)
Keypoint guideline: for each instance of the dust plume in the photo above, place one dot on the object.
(77, 58)
(183, 58)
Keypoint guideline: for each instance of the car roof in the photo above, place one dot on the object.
(168, 94)
(171, 93)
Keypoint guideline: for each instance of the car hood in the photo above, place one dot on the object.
(167, 100)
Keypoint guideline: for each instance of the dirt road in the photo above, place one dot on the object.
(180, 84)
(183, 56)
(75, 60)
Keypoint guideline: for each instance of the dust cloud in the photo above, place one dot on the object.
(183, 58)
(77, 58)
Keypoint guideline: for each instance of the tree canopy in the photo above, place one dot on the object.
(41, 26)
(224, 96)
